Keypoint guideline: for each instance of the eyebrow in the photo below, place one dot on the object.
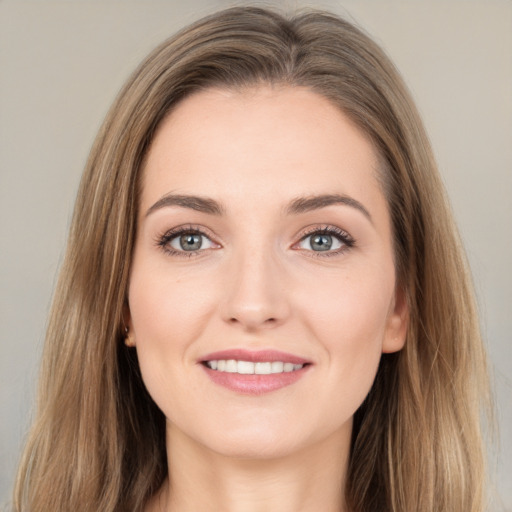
(296, 206)
(309, 203)
(200, 204)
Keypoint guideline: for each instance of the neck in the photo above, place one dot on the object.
(309, 480)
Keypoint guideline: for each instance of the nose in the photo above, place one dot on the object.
(255, 295)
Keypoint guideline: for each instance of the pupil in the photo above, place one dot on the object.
(321, 242)
(190, 242)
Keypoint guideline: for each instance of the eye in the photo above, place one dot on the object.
(320, 242)
(330, 240)
(190, 241)
(185, 241)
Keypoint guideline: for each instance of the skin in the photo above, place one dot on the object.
(257, 284)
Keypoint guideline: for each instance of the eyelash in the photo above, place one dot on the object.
(163, 241)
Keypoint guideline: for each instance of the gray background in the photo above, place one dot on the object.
(61, 64)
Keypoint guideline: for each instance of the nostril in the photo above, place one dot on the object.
(234, 320)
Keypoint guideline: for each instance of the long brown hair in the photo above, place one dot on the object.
(97, 442)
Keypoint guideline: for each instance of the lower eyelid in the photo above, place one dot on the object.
(340, 234)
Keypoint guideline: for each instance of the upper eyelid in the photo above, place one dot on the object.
(325, 228)
(188, 228)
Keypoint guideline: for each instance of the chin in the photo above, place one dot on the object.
(258, 448)
(254, 440)
(266, 440)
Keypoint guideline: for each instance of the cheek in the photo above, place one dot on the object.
(168, 314)
(349, 319)
(351, 308)
(167, 305)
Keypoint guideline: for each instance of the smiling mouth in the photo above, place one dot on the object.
(252, 368)
(254, 372)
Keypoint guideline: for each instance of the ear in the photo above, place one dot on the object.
(397, 324)
(129, 339)
(127, 317)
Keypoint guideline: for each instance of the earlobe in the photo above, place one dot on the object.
(128, 340)
(397, 326)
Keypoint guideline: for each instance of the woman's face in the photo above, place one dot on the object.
(262, 290)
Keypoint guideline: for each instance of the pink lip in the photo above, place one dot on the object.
(255, 384)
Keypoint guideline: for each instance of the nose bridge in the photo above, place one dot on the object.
(256, 295)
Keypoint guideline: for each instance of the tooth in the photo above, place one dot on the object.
(231, 366)
(249, 368)
(288, 367)
(263, 368)
(277, 367)
(245, 367)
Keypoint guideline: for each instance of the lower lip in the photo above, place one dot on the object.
(255, 384)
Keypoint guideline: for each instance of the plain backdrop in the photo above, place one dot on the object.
(62, 63)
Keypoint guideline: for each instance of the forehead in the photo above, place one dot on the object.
(259, 143)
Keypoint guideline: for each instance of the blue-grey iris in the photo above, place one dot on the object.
(321, 242)
(190, 242)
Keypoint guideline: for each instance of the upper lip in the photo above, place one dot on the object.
(254, 356)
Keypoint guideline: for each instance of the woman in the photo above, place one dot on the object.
(264, 303)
